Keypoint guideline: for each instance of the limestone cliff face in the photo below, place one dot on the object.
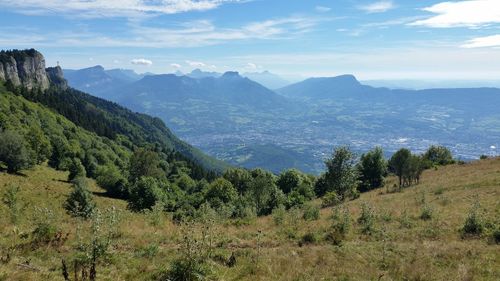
(56, 76)
(24, 68)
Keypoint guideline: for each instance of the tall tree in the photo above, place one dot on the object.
(145, 163)
(439, 155)
(341, 175)
(372, 169)
(399, 164)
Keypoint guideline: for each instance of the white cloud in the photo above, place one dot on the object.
(251, 66)
(144, 62)
(323, 9)
(378, 7)
(176, 65)
(481, 42)
(196, 63)
(112, 8)
(472, 13)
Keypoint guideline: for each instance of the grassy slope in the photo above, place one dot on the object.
(431, 250)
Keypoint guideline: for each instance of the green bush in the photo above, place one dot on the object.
(80, 202)
(279, 215)
(11, 201)
(341, 224)
(473, 225)
(330, 199)
(13, 152)
(309, 238)
(76, 169)
(45, 227)
(311, 212)
(427, 212)
(367, 219)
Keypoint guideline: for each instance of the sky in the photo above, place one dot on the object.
(372, 39)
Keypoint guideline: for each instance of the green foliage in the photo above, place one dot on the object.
(427, 212)
(474, 225)
(372, 169)
(76, 169)
(405, 220)
(145, 163)
(13, 151)
(146, 192)
(112, 180)
(309, 238)
(399, 163)
(220, 193)
(341, 175)
(11, 200)
(240, 178)
(438, 155)
(45, 227)
(80, 202)
(279, 215)
(311, 212)
(265, 194)
(289, 180)
(367, 219)
(330, 199)
(341, 224)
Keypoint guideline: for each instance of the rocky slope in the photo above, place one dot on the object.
(26, 68)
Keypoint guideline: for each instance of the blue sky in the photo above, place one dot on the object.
(399, 39)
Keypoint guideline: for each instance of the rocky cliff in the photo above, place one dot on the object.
(26, 68)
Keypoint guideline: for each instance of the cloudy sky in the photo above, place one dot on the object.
(398, 39)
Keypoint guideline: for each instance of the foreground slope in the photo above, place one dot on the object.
(423, 250)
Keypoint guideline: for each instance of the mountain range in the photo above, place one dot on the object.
(238, 120)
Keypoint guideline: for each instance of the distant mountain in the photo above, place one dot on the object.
(267, 79)
(230, 88)
(127, 75)
(198, 74)
(325, 87)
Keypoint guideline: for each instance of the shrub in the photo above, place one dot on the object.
(473, 225)
(340, 226)
(279, 215)
(330, 199)
(45, 227)
(367, 219)
(311, 213)
(11, 201)
(13, 152)
(309, 238)
(146, 192)
(405, 220)
(427, 212)
(80, 202)
(483, 157)
(76, 169)
(110, 178)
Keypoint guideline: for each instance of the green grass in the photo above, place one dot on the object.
(426, 250)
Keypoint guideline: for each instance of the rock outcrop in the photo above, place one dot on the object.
(56, 76)
(24, 68)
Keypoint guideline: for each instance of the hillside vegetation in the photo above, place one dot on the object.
(412, 234)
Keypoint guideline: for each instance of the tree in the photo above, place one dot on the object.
(13, 152)
(220, 192)
(289, 180)
(80, 202)
(240, 178)
(416, 166)
(110, 178)
(372, 169)
(76, 169)
(341, 175)
(399, 164)
(146, 192)
(40, 145)
(145, 163)
(439, 155)
(264, 192)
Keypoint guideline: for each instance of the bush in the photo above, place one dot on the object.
(13, 152)
(110, 178)
(340, 226)
(330, 199)
(473, 225)
(76, 169)
(311, 213)
(11, 201)
(427, 212)
(309, 238)
(483, 157)
(146, 192)
(45, 227)
(405, 220)
(367, 219)
(80, 202)
(279, 215)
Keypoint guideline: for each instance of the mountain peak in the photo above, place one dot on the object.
(231, 74)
